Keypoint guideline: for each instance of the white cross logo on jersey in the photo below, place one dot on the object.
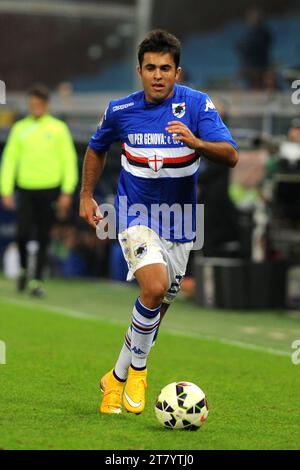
(155, 163)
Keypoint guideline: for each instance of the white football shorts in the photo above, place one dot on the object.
(142, 246)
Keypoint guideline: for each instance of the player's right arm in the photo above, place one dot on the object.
(93, 166)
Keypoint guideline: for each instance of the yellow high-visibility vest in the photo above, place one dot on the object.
(39, 154)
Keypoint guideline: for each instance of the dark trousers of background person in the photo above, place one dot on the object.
(35, 217)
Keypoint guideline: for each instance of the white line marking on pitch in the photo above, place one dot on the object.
(78, 314)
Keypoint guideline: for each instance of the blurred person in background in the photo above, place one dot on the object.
(40, 160)
(294, 131)
(255, 49)
(221, 217)
(287, 192)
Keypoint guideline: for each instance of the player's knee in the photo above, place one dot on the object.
(154, 294)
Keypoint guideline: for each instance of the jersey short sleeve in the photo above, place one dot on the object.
(106, 133)
(210, 125)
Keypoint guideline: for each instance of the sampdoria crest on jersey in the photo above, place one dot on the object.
(155, 162)
(178, 109)
(209, 105)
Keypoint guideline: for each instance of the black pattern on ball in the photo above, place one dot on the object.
(159, 405)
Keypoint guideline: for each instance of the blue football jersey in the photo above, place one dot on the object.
(158, 171)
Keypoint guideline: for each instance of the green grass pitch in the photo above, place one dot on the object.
(59, 347)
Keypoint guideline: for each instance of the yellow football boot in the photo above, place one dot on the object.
(135, 390)
(112, 394)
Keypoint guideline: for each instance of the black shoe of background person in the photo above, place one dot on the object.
(36, 288)
(22, 281)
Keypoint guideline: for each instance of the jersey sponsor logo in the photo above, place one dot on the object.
(153, 139)
(155, 162)
(178, 109)
(122, 106)
(147, 139)
(209, 105)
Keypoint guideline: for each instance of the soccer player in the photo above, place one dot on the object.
(164, 129)
(40, 159)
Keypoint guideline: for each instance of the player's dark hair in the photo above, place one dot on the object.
(40, 91)
(159, 40)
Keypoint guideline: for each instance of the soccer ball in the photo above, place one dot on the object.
(181, 405)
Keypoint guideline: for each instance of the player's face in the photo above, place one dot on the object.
(37, 107)
(158, 73)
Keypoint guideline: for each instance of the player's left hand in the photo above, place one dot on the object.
(183, 133)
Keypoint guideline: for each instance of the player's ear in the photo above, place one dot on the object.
(139, 70)
(178, 73)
